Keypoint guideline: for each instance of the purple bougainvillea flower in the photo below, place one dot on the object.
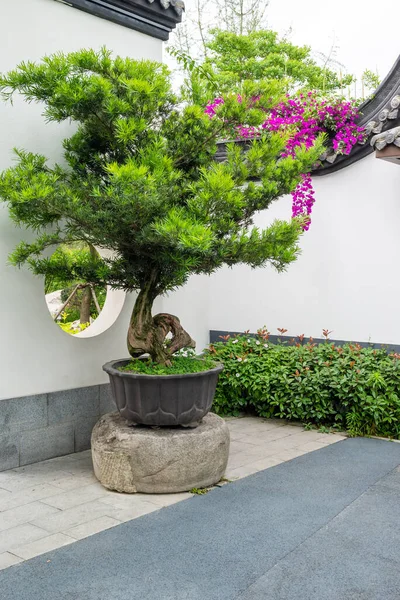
(305, 117)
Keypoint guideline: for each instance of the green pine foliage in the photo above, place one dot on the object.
(345, 387)
(139, 177)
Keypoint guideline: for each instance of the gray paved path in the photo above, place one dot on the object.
(325, 526)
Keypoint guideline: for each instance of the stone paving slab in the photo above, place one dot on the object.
(8, 560)
(324, 526)
(41, 546)
(62, 496)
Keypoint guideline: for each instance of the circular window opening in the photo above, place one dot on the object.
(79, 306)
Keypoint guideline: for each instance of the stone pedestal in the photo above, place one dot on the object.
(159, 461)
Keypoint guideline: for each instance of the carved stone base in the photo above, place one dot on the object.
(159, 461)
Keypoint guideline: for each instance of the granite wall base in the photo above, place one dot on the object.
(35, 428)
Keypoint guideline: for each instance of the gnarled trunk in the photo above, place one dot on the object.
(147, 334)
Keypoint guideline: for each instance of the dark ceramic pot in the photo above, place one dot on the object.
(162, 400)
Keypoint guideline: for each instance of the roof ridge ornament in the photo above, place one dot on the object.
(391, 136)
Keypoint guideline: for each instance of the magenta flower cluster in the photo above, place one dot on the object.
(304, 117)
(210, 108)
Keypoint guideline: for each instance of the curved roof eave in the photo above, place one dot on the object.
(378, 115)
(154, 18)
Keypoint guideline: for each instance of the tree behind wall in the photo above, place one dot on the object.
(263, 55)
(203, 16)
(66, 269)
(229, 59)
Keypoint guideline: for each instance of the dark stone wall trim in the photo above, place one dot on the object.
(140, 15)
(215, 336)
(36, 428)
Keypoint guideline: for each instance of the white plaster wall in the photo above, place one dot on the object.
(192, 305)
(347, 277)
(35, 355)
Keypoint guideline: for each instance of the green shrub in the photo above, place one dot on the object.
(347, 387)
(67, 327)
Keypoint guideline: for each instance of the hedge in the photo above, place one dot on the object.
(345, 387)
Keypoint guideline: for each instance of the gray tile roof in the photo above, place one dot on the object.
(177, 5)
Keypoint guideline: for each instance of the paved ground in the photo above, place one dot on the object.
(54, 503)
(324, 526)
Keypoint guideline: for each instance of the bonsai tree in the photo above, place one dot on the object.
(139, 179)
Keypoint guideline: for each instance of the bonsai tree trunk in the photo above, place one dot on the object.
(85, 305)
(147, 334)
